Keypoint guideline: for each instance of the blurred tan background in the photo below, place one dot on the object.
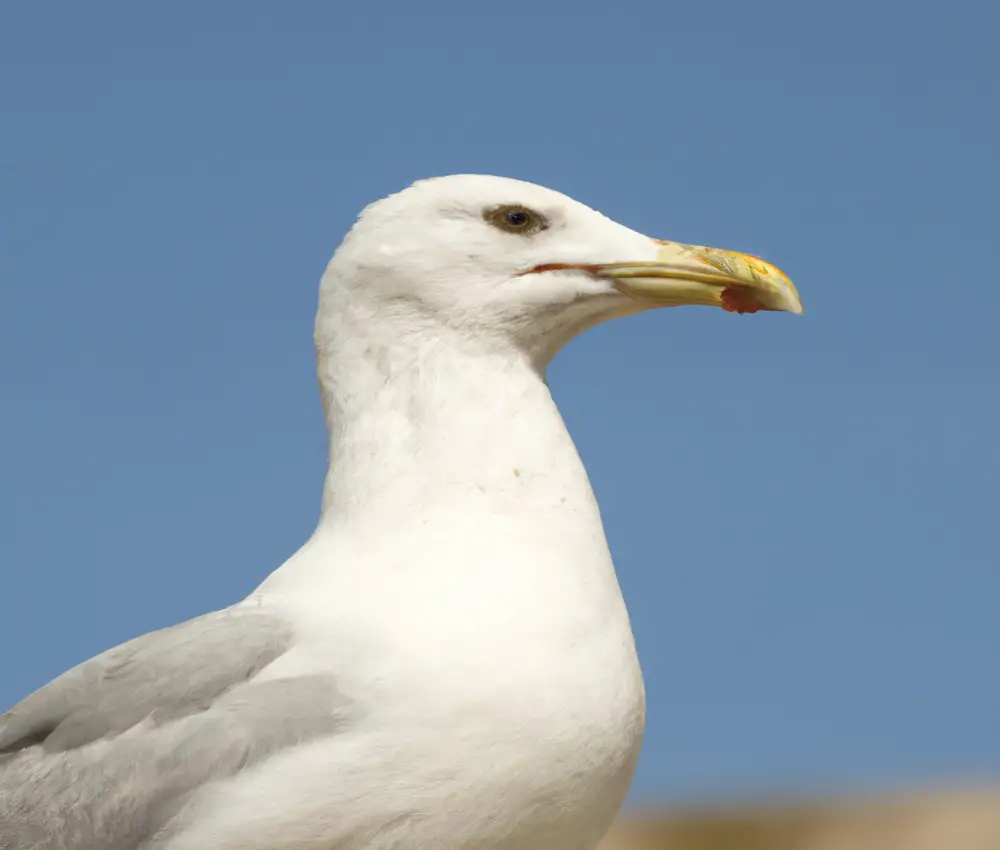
(955, 819)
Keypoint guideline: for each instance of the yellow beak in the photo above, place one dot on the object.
(693, 274)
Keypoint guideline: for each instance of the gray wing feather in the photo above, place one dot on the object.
(106, 755)
(175, 670)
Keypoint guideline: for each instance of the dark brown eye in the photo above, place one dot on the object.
(515, 219)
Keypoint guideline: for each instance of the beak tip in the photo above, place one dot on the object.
(787, 300)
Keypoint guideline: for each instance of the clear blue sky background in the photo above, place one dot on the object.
(803, 510)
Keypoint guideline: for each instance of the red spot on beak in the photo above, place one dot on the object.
(740, 301)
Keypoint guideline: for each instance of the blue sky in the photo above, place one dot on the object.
(803, 510)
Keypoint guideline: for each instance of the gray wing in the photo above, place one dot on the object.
(103, 757)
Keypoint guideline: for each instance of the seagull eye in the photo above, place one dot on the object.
(514, 219)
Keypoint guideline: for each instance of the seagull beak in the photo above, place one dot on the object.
(693, 274)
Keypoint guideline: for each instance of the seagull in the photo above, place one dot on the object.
(447, 662)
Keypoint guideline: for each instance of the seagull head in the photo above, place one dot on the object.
(515, 264)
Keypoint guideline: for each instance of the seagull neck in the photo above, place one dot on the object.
(423, 421)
